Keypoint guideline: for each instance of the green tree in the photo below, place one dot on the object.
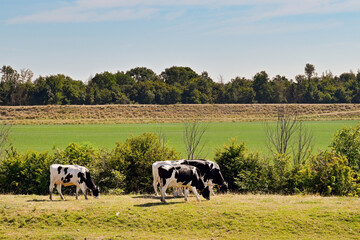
(240, 90)
(142, 74)
(179, 76)
(261, 87)
(105, 88)
(279, 88)
(309, 70)
(9, 85)
(199, 90)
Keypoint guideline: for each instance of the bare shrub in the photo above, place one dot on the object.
(192, 135)
(4, 139)
(289, 134)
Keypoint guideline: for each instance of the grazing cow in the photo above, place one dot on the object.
(155, 172)
(182, 176)
(68, 175)
(211, 173)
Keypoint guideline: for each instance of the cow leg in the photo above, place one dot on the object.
(83, 189)
(51, 188)
(77, 192)
(186, 195)
(176, 191)
(211, 187)
(163, 191)
(155, 183)
(193, 189)
(58, 187)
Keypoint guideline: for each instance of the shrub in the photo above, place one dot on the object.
(347, 143)
(229, 159)
(327, 174)
(253, 175)
(103, 170)
(243, 172)
(76, 154)
(25, 174)
(135, 157)
(279, 174)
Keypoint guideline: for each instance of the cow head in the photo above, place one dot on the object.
(96, 192)
(224, 187)
(206, 193)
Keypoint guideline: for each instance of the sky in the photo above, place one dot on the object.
(226, 38)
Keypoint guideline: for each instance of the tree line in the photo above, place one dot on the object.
(176, 85)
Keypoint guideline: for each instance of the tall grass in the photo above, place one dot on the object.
(145, 217)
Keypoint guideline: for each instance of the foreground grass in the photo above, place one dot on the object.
(45, 137)
(145, 217)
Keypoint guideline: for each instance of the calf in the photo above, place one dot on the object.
(69, 175)
(182, 176)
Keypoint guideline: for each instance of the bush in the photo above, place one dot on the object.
(76, 154)
(347, 143)
(253, 175)
(100, 164)
(25, 174)
(327, 174)
(281, 174)
(243, 172)
(135, 157)
(229, 159)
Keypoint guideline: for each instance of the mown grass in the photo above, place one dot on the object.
(45, 137)
(228, 216)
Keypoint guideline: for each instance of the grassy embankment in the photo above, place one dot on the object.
(111, 114)
(145, 217)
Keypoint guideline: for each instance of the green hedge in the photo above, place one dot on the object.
(326, 173)
(127, 168)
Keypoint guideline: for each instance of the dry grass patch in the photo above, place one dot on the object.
(73, 114)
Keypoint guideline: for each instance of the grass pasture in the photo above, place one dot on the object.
(45, 137)
(228, 216)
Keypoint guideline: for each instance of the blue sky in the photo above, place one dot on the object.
(227, 38)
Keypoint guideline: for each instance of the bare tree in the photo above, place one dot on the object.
(4, 139)
(303, 146)
(192, 135)
(289, 134)
(162, 141)
(26, 75)
(279, 136)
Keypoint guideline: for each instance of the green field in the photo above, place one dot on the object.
(45, 137)
(228, 216)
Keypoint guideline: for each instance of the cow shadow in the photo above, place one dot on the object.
(152, 204)
(43, 200)
(146, 197)
(156, 197)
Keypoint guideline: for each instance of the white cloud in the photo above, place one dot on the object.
(117, 10)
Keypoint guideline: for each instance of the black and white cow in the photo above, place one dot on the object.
(69, 175)
(182, 176)
(155, 172)
(211, 173)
